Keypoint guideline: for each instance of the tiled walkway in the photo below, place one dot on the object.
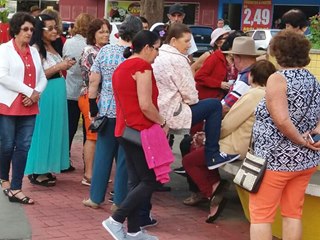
(59, 213)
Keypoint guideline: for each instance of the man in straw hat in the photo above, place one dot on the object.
(244, 55)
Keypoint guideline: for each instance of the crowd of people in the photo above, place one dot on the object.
(147, 87)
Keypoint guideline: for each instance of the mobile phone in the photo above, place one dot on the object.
(314, 137)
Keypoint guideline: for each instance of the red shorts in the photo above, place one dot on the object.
(83, 103)
(284, 188)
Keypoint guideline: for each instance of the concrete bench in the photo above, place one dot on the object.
(311, 209)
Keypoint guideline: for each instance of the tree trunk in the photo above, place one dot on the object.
(152, 10)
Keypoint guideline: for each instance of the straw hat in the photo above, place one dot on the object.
(244, 46)
(216, 34)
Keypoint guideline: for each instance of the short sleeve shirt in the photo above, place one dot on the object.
(125, 87)
(106, 62)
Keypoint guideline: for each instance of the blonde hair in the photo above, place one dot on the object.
(81, 24)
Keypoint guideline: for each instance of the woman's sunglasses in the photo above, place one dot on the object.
(26, 29)
(50, 28)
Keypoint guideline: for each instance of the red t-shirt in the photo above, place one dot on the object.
(126, 97)
(17, 108)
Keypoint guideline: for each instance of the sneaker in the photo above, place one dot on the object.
(115, 229)
(142, 235)
(179, 170)
(150, 222)
(86, 181)
(221, 159)
(90, 203)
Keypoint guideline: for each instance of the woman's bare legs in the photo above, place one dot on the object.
(261, 231)
(88, 152)
(291, 229)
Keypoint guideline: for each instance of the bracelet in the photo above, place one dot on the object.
(163, 124)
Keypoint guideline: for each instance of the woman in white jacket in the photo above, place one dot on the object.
(178, 98)
(21, 81)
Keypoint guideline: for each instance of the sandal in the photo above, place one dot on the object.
(6, 190)
(46, 182)
(24, 200)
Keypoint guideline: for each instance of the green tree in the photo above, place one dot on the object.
(152, 10)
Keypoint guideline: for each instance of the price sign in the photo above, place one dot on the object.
(256, 14)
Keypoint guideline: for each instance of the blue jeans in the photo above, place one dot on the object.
(107, 148)
(15, 140)
(209, 109)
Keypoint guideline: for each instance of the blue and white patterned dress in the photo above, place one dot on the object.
(269, 143)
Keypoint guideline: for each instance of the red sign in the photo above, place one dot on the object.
(256, 14)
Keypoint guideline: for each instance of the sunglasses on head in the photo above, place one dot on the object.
(26, 29)
(50, 28)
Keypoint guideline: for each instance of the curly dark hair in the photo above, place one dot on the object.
(95, 26)
(17, 20)
(290, 49)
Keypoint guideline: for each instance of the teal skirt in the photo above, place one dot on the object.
(49, 151)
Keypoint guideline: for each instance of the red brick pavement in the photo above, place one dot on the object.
(59, 213)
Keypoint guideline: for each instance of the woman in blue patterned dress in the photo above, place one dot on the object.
(290, 110)
(107, 146)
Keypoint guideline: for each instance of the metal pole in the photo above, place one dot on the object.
(106, 9)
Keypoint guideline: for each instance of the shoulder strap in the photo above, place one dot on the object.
(251, 148)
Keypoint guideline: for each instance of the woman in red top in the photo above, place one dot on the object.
(136, 95)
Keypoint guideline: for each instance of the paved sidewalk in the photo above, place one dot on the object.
(59, 214)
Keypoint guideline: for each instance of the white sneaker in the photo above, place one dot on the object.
(142, 235)
(115, 229)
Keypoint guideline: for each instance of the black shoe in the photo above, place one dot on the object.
(150, 222)
(180, 170)
(211, 219)
(70, 169)
(163, 188)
